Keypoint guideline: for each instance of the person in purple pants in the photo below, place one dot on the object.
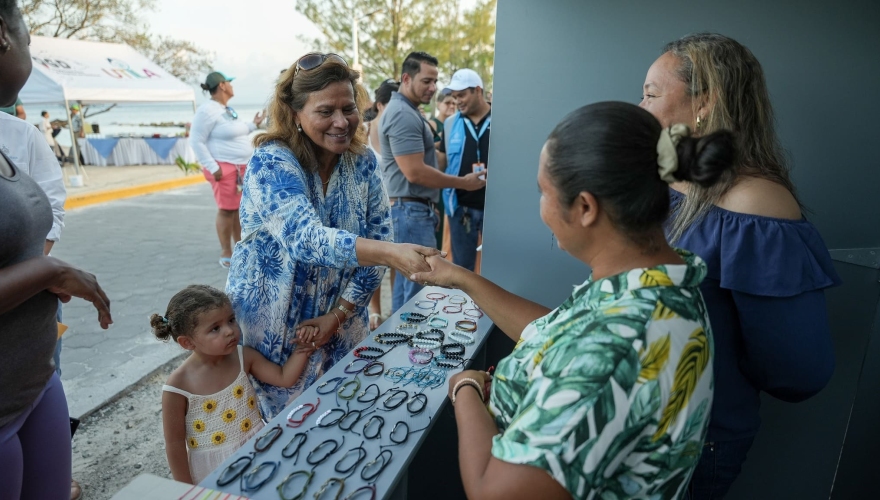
(35, 456)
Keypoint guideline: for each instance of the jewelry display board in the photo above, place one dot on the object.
(376, 407)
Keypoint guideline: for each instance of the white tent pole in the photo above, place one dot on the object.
(74, 148)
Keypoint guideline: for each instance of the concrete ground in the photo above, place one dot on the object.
(102, 178)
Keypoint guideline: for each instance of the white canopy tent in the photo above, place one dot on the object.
(66, 70)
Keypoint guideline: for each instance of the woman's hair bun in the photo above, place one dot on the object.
(204, 86)
(160, 327)
(703, 160)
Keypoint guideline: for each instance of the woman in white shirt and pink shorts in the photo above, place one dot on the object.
(223, 148)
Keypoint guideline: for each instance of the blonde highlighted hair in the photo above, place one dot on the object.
(291, 94)
(725, 76)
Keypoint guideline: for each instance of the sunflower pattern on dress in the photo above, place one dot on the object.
(611, 392)
(219, 433)
(297, 256)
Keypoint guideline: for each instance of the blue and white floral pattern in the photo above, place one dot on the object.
(297, 257)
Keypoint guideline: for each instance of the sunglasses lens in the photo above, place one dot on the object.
(310, 61)
(337, 58)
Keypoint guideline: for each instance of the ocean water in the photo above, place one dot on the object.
(134, 120)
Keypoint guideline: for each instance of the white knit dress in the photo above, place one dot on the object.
(219, 423)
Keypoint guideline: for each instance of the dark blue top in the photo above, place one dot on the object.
(764, 291)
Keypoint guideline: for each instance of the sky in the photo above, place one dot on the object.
(253, 40)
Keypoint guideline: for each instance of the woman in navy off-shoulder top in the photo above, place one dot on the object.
(767, 265)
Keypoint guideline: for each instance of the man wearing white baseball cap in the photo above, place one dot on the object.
(464, 148)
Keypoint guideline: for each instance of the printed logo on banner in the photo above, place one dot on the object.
(121, 69)
(63, 66)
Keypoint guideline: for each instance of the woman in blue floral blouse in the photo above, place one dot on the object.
(608, 395)
(316, 226)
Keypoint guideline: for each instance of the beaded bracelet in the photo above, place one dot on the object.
(412, 317)
(406, 326)
(453, 309)
(438, 322)
(454, 350)
(393, 338)
(418, 351)
(359, 352)
(457, 300)
(448, 362)
(425, 343)
(466, 325)
(462, 337)
(467, 381)
(432, 306)
(436, 296)
(435, 334)
(311, 409)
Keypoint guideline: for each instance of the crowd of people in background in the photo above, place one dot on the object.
(645, 383)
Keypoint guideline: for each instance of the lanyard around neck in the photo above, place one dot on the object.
(470, 126)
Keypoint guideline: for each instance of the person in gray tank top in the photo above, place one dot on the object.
(35, 454)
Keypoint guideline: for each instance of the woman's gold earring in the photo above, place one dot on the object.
(698, 122)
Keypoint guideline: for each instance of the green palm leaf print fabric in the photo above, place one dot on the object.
(610, 393)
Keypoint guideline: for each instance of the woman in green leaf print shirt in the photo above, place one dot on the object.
(607, 396)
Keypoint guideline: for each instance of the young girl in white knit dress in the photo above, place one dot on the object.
(209, 407)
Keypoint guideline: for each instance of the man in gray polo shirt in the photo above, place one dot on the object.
(409, 164)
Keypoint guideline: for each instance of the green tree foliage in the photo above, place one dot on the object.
(116, 21)
(461, 34)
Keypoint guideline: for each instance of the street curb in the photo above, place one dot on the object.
(96, 197)
(131, 387)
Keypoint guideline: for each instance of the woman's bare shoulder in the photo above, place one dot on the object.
(762, 197)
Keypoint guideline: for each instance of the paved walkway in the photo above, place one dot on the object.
(143, 250)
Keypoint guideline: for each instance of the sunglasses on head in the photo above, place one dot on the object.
(311, 61)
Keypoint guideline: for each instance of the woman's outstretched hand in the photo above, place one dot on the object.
(442, 273)
(73, 282)
(408, 258)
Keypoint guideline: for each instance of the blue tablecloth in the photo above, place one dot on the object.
(104, 146)
(162, 145)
